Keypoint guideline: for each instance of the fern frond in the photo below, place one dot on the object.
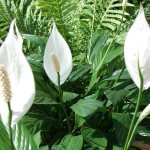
(117, 16)
(113, 15)
(28, 17)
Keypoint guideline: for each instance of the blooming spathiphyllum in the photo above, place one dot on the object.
(137, 50)
(57, 57)
(17, 85)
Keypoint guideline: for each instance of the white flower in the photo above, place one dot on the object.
(145, 113)
(57, 57)
(16, 78)
(137, 47)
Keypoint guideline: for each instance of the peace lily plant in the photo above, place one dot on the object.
(137, 60)
(58, 62)
(17, 88)
(57, 57)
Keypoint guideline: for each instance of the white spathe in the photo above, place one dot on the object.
(137, 47)
(20, 76)
(58, 47)
(145, 113)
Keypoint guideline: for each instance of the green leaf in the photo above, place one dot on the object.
(69, 96)
(121, 124)
(99, 40)
(125, 75)
(4, 138)
(79, 72)
(44, 98)
(75, 143)
(93, 80)
(35, 61)
(116, 147)
(79, 121)
(93, 96)
(70, 142)
(95, 138)
(145, 98)
(36, 40)
(57, 147)
(23, 140)
(44, 148)
(38, 119)
(116, 96)
(114, 52)
(37, 138)
(85, 107)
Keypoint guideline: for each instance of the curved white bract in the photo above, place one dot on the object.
(57, 57)
(137, 48)
(145, 113)
(20, 76)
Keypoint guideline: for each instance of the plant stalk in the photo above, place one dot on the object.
(9, 125)
(62, 103)
(131, 133)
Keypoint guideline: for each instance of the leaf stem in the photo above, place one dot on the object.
(62, 103)
(131, 133)
(9, 125)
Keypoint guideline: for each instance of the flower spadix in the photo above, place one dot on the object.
(16, 79)
(57, 57)
(137, 49)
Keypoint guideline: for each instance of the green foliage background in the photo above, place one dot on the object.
(99, 94)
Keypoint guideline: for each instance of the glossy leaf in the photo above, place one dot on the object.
(95, 138)
(121, 123)
(69, 96)
(23, 140)
(4, 138)
(70, 142)
(85, 107)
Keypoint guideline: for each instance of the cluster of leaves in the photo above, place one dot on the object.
(99, 95)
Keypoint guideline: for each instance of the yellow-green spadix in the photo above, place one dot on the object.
(57, 57)
(16, 79)
(137, 49)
